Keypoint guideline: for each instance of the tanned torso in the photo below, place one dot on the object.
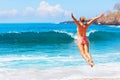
(82, 28)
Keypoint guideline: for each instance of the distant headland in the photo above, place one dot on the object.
(112, 18)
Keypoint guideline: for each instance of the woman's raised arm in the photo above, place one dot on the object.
(74, 19)
(94, 19)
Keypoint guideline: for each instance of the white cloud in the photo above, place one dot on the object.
(44, 12)
(46, 9)
(12, 12)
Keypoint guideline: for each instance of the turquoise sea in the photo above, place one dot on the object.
(46, 45)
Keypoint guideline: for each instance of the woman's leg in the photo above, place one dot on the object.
(82, 51)
(86, 47)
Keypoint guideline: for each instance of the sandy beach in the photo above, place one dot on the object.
(101, 79)
(99, 72)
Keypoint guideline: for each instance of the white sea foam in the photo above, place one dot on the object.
(41, 61)
(13, 58)
(114, 26)
(74, 35)
(13, 32)
(91, 31)
(68, 33)
(71, 58)
(111, 70)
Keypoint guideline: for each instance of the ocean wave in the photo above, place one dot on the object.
(51, 37)
(103, 35)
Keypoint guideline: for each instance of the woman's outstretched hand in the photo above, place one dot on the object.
(71, 14)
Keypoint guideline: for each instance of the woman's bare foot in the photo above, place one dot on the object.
(91, 63)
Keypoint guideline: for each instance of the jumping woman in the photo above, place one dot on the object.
(82, 41)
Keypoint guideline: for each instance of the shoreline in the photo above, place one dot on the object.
(95, 23)
(100, 79)
(98, 72)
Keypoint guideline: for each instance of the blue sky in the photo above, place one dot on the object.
(53, 11)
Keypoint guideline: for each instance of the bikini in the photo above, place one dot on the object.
(82, 40)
